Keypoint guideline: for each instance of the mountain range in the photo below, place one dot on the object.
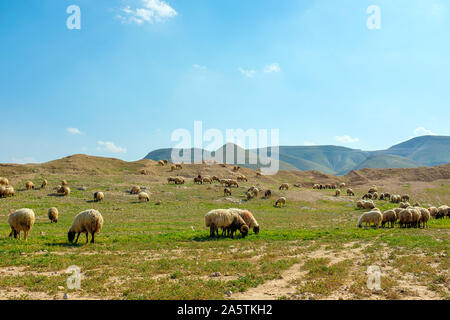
(417, 152)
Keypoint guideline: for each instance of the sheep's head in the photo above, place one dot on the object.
(256, 229)
(244, 230)
(71, 236)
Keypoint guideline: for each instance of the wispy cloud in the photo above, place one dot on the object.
(110, 147)
(421, 131)
(74, 131)
(248, 73)
(151, 11)
(272, 68)
(197, 66)
(346, 139)
(24, 160)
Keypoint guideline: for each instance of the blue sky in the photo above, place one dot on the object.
(138, 70)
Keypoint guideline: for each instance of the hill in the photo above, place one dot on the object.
(416, 152)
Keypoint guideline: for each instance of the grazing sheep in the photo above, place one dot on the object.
(232, 182)
(161, 163)
(316, 186)
(53, 215)
(416, 215)
(442, 212)
(178, 166)
(166, 161)
(89, 222)
(135, 190)
(258, 174)
(249, 195)
(405, 198)
(404, 218)
(374, 217)
(375, 195)
(338, 193)
(248, 218)
(143, 196)
(360, 204)
(65, 191)
(342, 185)
(242, 178)
(21, 220)
(9, 192)
(396, 198)
(228, 221)
(268, 194)
(29, 185)
(254, 191)
(433, 211)
(424, 217)
(280, 202)
(198, 180)
(227, 192)
(2, 191)
(367, 196)
(99, 196)
(173, 168)
(215, 179)
(4, 182)
(350, 192)
(236, 168)
(365, 204)
(284, 186)
(404, 205)
(389, 216)
(207, 180)
(144, 172)
(373, 189)
(44, 184)
(64, 183)
(398, 210)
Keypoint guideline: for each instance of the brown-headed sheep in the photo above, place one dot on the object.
(337, 193)
(280, 202)
(350, 192)
(29, 185)
(89, 222)
(389, 217)
(227, 192)
(143, 196)
(405, 198)
(4, 182)
(284, 186)
(135, 190)
(404, 218)
(44, 184)
(268, 194)
(21, 220)
(99, 196)
(228, 221)
(248, 218)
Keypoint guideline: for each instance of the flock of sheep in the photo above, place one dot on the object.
(229, 220)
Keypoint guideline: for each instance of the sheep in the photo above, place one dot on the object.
(280, 202)
(416, 215)
(178, 166)
(433, 211)
(215, 179)
(284, 186)
(89, 222)
(367, 196)
(173, 168)
(338, 193)
(179, 180)
(424, 217)
(316, 186)
(135, 190)
(404, 218)
(232, 182)
(44, 184)
(268, 194)
(227, 192)
(29, 185)
(442, 212)
(375, 195)
(66, 191)
(236, 168)
(9, 192)
(64, 183)
(53, 215)
(143, 196)
(360, 204)
(229, 221)
(144, 172)
(405, 198)
(161, 163)
(398, 210)
(342, 185)
(254, 191)
(248, 218)
(368, 204)
(2, 191)
(374, 217)
(350, 192)
(207, 180)
(373, 189)
(389, 216)
(387, 196)
(242, 178)
(249, 195)
(4, 181)
(404, 205)
(198, 180)
(396, 198)
(166, 161)
(99, 196)
(21, 220)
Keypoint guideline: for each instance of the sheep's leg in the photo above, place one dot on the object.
(78, 235)
(87, 237)
(93, 236)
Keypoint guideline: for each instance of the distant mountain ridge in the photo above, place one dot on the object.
(421, 151)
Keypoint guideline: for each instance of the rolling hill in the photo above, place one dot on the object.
(421, 151)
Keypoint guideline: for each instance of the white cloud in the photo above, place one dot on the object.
(421, 131)
(271, 68)
(197, 66)
(247, 73)
(73, 131)
(308, 143)
(346, 139)
(110, 147)
(151, 11)
(24, 160)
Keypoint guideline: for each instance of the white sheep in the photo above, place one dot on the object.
(280, 202)
(29, 185)
(143, 196)
(21, 220)
(135, 190)
(227, 220)
(99, 196)
(389, 216)
(4, 181)
(89, 222)
(53, 215)
(374, 217)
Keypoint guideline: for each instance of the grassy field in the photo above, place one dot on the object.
(311, 249)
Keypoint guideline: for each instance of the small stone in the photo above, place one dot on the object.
(383, 265)
(229, 293)
(60, 288)
(216, 274)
